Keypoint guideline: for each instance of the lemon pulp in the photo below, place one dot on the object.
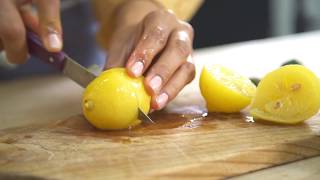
(225, 90)
(287, 95)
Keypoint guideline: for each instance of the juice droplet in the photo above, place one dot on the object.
(204, 115)
(88, 104)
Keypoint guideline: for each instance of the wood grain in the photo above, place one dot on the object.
(44, 136)
(304, 169)
(38, 100)
(183, 144)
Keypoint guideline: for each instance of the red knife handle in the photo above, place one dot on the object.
(37, 50)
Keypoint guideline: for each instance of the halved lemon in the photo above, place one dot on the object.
(287, 95)
(225, 90)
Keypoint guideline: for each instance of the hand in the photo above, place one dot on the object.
(159, 47)
(15, 15)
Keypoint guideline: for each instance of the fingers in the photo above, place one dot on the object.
(30, 18)
(12, 32)
(160, 51)
(181, 77)
(175, 54)
(49, 24)
(157, 27)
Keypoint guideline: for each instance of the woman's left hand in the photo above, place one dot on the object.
(159, 46)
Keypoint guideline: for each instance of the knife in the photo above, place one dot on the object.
(69, 67)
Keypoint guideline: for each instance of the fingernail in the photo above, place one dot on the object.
(155, 83)
(137, 68)
(54, 41)
(162, 100)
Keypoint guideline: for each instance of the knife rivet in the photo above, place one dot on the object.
(51, 59)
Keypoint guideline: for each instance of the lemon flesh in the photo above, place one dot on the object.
(225, 90)
(287, 95)
(111, 101)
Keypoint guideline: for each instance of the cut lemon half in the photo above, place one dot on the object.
(287, 95)
(225, 90)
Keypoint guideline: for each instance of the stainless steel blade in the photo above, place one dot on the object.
(143, 117)
(83, 77)
(77, 72)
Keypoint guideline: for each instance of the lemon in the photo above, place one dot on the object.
(111, 101)
(287, 95)
(225, 90)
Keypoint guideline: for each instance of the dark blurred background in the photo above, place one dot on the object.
(218, 22)
(227, 21)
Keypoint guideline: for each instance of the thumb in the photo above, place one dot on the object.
(117, 55)
(121, 46)
(50, 24)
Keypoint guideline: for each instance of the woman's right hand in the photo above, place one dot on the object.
(44, 20)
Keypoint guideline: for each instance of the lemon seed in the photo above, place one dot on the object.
(295, 87)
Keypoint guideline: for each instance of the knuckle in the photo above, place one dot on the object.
(156, 34)
(165, 13)
(169, 14)
(182, 47)
(186, 26)
(162, 70)
(162, 16)
(154, 15)
(189, 28)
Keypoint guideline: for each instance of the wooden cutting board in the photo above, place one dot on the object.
(44, 135)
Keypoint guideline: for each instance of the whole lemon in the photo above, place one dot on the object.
(111, 101)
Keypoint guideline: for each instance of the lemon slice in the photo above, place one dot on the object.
(225, 90)
(287, 95)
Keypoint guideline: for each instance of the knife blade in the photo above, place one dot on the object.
(66, 65)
